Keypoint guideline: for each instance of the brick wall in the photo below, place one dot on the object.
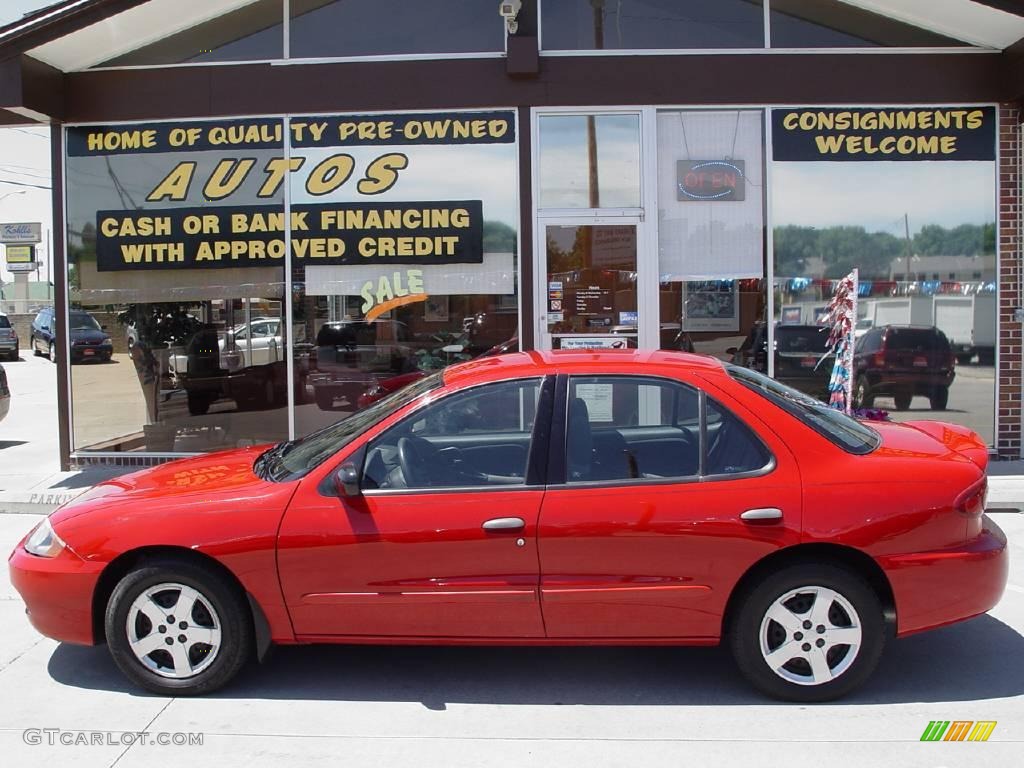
(1008, 418)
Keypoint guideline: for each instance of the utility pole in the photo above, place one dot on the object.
(906, 232)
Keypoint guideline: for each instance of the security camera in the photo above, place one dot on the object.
(509, 10)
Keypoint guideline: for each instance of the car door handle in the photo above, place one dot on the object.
(761, 514)
(504, 524)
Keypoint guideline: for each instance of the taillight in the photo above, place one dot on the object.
(972, 501)
(878, 359)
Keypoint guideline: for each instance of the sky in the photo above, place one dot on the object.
(24, 156)
(12, 10)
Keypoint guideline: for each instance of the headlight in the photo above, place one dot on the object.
(43, 542)
(105, 342)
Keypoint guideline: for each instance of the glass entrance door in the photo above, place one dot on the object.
(589, 293)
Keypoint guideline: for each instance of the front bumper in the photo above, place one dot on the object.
(79, 354)
(933, 589)
(58, 593)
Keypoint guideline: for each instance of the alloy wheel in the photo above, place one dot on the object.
(173, 630)
(810, 635)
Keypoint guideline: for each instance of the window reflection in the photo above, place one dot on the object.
(589, 161)
(651, 24)
(926, 258)
(323, 28)
(198, 356)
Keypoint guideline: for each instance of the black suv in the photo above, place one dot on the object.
(903, 361)
(802, 357)
(88, 339)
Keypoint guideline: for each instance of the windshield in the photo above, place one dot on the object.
(81, 321)
(801, 339)
(294, 459)
(846, 432)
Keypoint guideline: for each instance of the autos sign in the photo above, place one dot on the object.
(28, 233)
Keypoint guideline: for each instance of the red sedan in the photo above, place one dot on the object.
(583, 497)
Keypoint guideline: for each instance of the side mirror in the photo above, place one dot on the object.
(346, 480)
(103, 327)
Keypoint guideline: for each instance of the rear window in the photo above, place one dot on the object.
(810, 339)
(848, 433)
(916, 340)
(4, 322)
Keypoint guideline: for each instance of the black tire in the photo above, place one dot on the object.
(988, 357)
(199, 403)
(964, 359)
(862, 393)
(324, 399)
(745, 633)
(903, 401)
(939, 398)
(51, 352)
(35, 348)
(232, 618)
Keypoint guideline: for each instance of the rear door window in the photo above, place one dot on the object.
(633, 428)
(916, 340)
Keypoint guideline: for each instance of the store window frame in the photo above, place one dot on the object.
(288, 303)
(646, 228)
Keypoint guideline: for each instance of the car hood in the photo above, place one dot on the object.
(177, 485)
(932, 439)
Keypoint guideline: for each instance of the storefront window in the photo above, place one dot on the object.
(423, 211)
(835, 24)
(906, 197)
(591, 281)
(253, 32)
(589, 161)
(710, 230)
(176, 286)
(574, 25)
(329, 28)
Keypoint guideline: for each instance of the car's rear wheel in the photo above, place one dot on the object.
(324, 399)
(903, 400)
(178, 628)
(939, 398)
(199, 402)
(862, 393)
(808, 633)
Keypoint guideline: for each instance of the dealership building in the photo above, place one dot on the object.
(270, 213)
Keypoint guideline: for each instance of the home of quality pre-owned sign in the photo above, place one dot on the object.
(221, 234)
(871, 134)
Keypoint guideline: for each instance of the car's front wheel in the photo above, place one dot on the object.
(862, 393)
(178, 628)
(808, 633)
(51, 352)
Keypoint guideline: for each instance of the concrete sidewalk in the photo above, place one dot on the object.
(40, 494)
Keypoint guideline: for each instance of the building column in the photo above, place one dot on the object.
(1008, 409)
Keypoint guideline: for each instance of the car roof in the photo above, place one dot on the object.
(630, 361)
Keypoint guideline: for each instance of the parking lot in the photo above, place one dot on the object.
(407, 706)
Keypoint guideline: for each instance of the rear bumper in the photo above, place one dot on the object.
(933, 589)
(8, 345)
(889, 383)
(57, 592)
